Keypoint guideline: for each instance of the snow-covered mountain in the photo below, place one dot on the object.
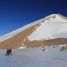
(52, 27)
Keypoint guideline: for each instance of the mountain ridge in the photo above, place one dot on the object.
(22, 36)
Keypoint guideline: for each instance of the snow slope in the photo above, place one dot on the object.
(15, 32)
(49, 28)
(54, 26)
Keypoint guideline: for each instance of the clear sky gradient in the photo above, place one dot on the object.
(17, 13)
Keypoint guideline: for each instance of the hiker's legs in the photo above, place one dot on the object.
(9, 52)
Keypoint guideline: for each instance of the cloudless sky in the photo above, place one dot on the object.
(17, 13)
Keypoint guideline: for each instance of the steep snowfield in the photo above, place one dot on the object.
(54, 26)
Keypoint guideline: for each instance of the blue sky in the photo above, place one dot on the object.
(17, 13)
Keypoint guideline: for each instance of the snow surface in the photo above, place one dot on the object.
(34, 57)
(53, 27)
